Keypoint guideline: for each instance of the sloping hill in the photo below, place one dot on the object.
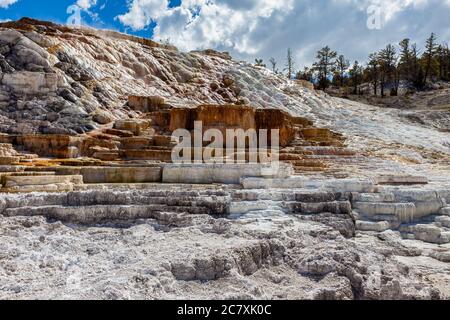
(57, 79)
(100, 211)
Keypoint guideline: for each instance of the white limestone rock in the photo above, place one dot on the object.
(445, 211)
(443, 256)
(424, 209)
(443, 221)
(372, 226)
(403, 211)
(20, 181)
(346, 185)
(261, 183)
(373, 197)
(391, 179)
(244, 207)
(25, 82)
(416, 195)
(430, 233)
(217, 173)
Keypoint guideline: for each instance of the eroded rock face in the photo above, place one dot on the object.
(223, 117)
(147, 103)
(40, 59)
(220, 117)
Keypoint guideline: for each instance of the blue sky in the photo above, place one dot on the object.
(250, 29)
(55, 10)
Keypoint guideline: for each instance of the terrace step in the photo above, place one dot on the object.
(157, 153)
(113, 174)
(9, 160)
(106, 155)
(299, 182)
(212, 198)
(307, 163)
(101, 213)
(327, 151)
(30, 180)
(291, 207)
(136, 126)
(443, 221)
(3, 175)
(401, 179)
(119, 133)
(301, 169)
(373, 197)
(220, 173)
(404, 211)
(307, 196)
(40, 183)
(445, 211)
(136, 143)
(373, 226)
(427, 233)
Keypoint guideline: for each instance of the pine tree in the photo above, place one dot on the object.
(388, 64)
(342, 65)
(418, 78)
(325, 66)
(306, 74)
(290, 64)
(443, 57)
(405, 62)
(373, 71)
(429, 54)
(356, 73)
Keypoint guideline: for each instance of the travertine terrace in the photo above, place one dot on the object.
(92, 207)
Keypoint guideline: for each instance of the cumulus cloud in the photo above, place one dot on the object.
(86, 4)
(205, 23)
(142, 12)
(6, 3)
(86, 7)
(265, 28)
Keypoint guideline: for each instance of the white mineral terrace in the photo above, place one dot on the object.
(92, 207)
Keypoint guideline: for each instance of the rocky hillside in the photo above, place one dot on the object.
(61, 80)
(428, 108)
(57, 79)
(91, 206)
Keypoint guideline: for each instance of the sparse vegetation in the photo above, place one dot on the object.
(290, 64)
(260, 63)
(273, 63)
(394, 67)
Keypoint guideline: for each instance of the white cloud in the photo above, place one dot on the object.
(389, 8)
(6, 3)
(206, 23)
(86, 4)
(142, 12)
(265, 28)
